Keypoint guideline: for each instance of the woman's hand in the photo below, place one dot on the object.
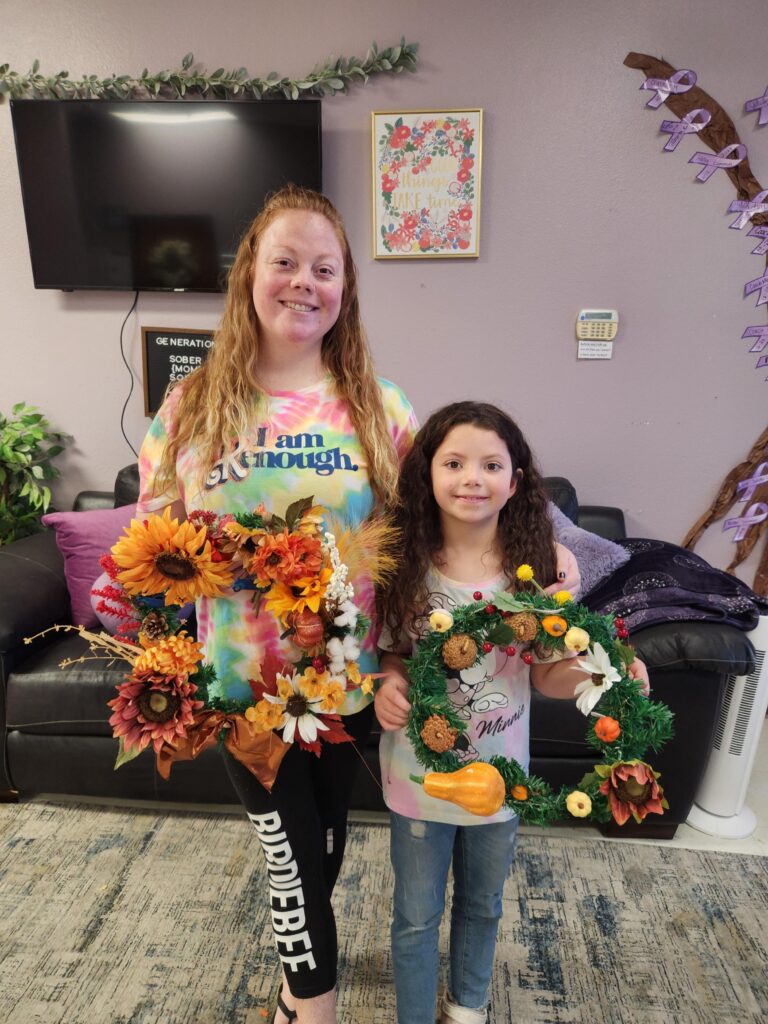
(637, 670)
(391, 703)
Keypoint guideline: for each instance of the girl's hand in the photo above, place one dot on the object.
(390, 702)
(637, 670)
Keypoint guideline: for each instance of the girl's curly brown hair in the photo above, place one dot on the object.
(525, 533)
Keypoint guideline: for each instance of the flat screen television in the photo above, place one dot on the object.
(153, 195)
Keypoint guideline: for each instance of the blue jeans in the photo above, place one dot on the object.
(422, 852)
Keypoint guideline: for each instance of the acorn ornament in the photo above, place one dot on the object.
(459, 652)
(524, 625)
(437, 734)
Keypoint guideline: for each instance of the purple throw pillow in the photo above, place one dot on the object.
(82, 538)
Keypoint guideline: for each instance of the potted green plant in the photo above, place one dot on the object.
(27, 447)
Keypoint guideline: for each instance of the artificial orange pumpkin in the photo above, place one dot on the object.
(477, 787)
(555, 625)
(607, 729)
(519, 793)
(309, 629)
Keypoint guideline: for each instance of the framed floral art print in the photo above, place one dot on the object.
(426, 183)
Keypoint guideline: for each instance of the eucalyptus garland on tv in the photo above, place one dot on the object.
(622, 730)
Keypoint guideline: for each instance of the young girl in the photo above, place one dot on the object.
(473, 508)
(287, 406)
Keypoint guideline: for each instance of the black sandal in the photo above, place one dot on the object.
(290, 1014)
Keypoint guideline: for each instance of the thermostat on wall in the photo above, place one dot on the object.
(597, 324)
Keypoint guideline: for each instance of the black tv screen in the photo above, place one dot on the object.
(153, 195)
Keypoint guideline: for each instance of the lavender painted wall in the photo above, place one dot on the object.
(579, 208)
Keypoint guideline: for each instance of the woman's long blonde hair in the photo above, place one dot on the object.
(217, 401)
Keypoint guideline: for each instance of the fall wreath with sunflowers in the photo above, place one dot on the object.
(297, 570)
(622, 723)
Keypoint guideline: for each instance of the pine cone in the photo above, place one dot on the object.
(459, 651)
(153, 628)
(524, 624)
(437, 734)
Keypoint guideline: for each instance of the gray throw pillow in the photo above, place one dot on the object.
(595, 556)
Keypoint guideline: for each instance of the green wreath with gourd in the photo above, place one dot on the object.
(524, 624)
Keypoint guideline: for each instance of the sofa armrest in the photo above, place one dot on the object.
(33, 589)
(87, 501)
(604, 520)
(695, 647)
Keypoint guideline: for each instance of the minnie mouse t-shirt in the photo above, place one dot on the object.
(493, 698)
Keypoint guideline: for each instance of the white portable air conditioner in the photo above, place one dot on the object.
(718, 807)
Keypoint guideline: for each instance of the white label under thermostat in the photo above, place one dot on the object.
(595, 349)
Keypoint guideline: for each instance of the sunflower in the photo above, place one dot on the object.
(152, 708)
(283, 600)
(159, 555)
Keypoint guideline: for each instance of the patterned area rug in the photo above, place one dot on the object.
(118, 916)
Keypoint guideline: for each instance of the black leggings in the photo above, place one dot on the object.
(302, 827)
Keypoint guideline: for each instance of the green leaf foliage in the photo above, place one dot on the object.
(326, 78)
(28, 445)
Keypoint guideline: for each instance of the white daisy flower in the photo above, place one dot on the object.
(603, 676)
(299, 711)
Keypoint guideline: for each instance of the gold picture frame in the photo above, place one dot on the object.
(426, 171)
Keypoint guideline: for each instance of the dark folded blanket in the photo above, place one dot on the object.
(662, 582)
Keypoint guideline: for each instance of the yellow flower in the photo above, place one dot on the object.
(310, 524)
(265, 716)
(333, 696)
(158, 555)
(578, 804)
(563, 596)
(440, 621)
(353, 672)
(576, 639)
(175, 655)
(313, 590)
(285, 689)
(367, 684)
(313, 682)
(524, 573)
(282, 600)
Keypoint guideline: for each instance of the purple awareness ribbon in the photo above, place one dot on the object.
(688, 126)
(760, 331)
(747, 208)
(761, 362)
(759, 103)
(718, 161)
(760, 476)
(759, 231)
(754, 514)
(760, 285)
(664, 87)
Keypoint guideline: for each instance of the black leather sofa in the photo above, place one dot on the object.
(55, 737)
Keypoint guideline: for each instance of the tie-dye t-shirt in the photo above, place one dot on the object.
(304, 445)
(493, 697)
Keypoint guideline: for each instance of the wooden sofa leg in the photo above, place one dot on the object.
(9, 796)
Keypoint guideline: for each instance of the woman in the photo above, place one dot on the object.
(286, 407)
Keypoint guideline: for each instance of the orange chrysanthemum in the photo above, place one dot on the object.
(158, 555)
(285, 558)
(175, 655)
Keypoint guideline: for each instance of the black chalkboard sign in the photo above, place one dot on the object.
(169, 354)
